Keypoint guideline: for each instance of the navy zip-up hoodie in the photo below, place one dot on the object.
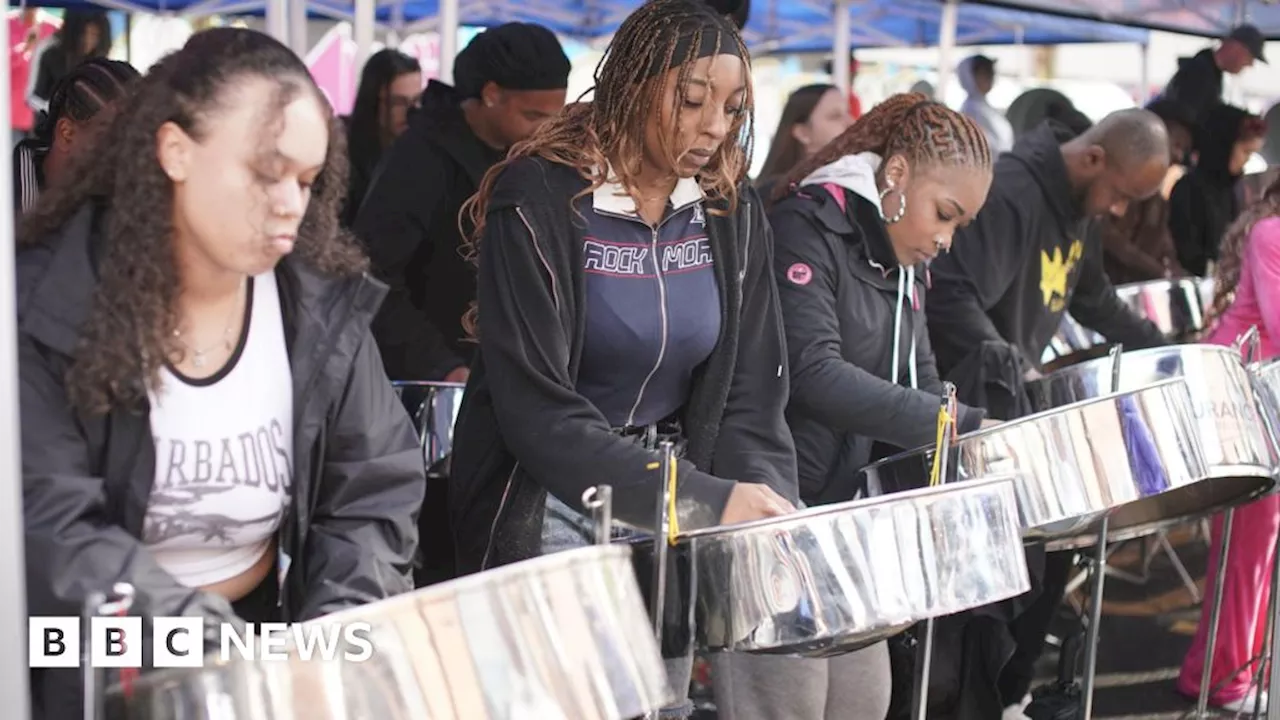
(525, 429)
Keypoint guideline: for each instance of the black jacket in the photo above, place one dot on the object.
(524, 431)
(409, 223)
(86, 481)
(1029, 256)
(1204, 202)
(838, 282)
(1197, 84)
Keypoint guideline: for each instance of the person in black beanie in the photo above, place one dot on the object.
(507, 81)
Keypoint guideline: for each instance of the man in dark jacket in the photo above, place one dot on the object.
(1029, 257)
(508, 81)
(1198, 82)
(1137, 246)
(1032, 253)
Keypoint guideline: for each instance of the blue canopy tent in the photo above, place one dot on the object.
(775, 25)
(1208, 18)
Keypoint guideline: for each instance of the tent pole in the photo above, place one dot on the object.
(14, 674)
(840, 46)
(298, 27)
(362, 27)
(946, 45)
(1144, 92)
(448, 38)
(278, 20)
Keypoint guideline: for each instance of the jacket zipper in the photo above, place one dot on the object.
(511, 478)
(665, 320)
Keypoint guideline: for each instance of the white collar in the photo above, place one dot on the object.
(611, 197)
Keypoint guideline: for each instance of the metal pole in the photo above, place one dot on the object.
(362, 27)
(1099, 571)
(1273, 706)
(278, 20)
(840, 47)
(449, 21)
(298, 27)
(1215, 614)
(14, 673)
(1144, 92)
(947, 45)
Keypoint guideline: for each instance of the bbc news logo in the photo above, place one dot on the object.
(178, 642)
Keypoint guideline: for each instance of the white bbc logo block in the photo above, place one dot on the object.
(53, 642)
(115, 642)
(178, 642)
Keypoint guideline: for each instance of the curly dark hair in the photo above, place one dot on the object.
(130, 330)
(1234, 243)
(925, 132)
(586, 136)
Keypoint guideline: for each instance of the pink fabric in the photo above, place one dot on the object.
(1257, 300)
(1256, 525)
(837, 192)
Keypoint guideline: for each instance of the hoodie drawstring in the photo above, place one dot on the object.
(906, 281)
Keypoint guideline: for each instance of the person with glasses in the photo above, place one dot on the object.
(390, 87)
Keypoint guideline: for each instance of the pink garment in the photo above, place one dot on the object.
(1256, 525)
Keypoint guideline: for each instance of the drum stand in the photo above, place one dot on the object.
(924, 650)
(99, 605)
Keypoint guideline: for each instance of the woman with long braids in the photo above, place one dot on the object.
(204, 413)
(856, 226)
(1246, 294)
(79, 108)
(626, 297)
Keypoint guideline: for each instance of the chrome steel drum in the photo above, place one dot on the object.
(561, 637)
(835, 578)
(1074, 463)
(434, 407)
(1240, 459)
(1266, 377)
(1178, 307)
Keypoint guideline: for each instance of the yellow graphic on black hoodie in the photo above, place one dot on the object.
(1055, 272)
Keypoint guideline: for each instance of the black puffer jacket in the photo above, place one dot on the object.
(840, 287)
(86, 481)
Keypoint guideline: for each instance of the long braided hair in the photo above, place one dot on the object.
(926, 133)
(610, 128)
(130, 329)
(84, 92)
(1234, 243)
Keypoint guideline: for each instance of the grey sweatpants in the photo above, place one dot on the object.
(856, 686)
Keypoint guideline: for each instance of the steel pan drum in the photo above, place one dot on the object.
(561, 637)
(832, 579)
(1266, 383)
(1240, 460)
(1074, 463)
(1177, 307)
(434, 407)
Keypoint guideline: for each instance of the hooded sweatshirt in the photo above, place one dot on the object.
(409, 224)
(993, 122)
(1204, 203)
(1197, 84)
(862, 371)
(1029, 256)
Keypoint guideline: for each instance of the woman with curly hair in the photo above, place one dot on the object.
(626, 297)
(204, 413)
(1246, 294)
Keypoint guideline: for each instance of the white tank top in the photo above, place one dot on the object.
(224, 453)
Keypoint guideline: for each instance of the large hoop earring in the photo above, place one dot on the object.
(902, 206)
